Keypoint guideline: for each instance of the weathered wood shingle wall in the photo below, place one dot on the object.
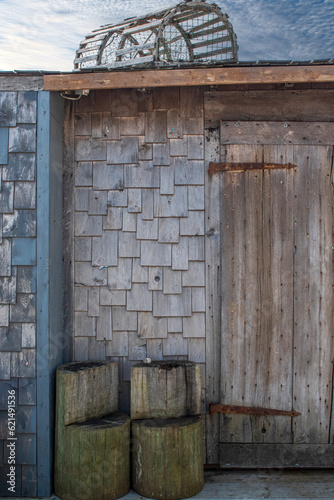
(18, 282)
(139, 227)
(31, 337)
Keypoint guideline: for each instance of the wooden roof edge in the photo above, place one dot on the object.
(190, 77)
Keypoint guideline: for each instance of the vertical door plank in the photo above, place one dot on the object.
(213, 190)
(257, 326)
(277, 294)
(241, 227)
(313, 336)
(331, 431)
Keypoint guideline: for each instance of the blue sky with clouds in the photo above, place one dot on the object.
(44, 34)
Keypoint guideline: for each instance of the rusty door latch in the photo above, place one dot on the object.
(249, 410)
(245, 167)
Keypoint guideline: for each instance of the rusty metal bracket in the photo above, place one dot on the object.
(249, 410)
(245, 167)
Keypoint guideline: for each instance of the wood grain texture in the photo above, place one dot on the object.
(189, 77)
(165, 390)
(213, 187)
(49, 273)
(167, 459)
(270, 105)
(278, 269)
(273, 455)
(313, 328)
(256, 484)
(93, 459)
(86, 390)
(21, 83)
(249, 132)
(257, 251)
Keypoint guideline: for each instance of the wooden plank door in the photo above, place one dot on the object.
(277, 299)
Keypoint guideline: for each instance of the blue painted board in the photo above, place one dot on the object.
(20, 167)
(43, 341)
(29, 481)
(8, 109)
(7, 198)
(25, 449)
(26, 420)
(3, 481)
(27, 391)
(24, 252)
(49, 266)
(26, 279)
(4, 138)
(10, 338)
(23, 364)
(19, 224)
(24, 311)
(6, 386)
(26, 107)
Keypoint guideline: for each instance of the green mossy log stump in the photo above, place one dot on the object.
(93, 462)
(92, 445)
(165, 389)
(167, 458)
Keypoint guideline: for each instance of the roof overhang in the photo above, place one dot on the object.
(190, 77)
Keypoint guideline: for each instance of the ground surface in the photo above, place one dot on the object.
(255, 485)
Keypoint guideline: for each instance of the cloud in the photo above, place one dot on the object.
(288, 29)
(45, 34)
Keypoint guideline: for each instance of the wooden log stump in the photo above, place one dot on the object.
(165, 389)
(92, 445)
(93, 459)
(167, 458)
(86, 390)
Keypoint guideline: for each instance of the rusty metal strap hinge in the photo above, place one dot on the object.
(246, 167)
(249, 410)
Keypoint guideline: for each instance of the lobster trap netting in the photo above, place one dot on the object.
(189, 33)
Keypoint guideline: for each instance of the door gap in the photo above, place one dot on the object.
(331, 413)
(332, 400)
(293, 299)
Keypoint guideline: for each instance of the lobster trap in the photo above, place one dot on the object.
(190, 33)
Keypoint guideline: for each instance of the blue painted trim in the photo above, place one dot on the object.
(24, 252)
(42, 299)
(4, 144)
(49, 277)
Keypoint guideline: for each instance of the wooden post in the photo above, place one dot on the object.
(86, 390)
(165, 389)
(93, 459)
(167, 458)
(92, 445)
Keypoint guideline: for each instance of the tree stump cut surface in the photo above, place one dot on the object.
(165, 389)
(167, 458)
(93, 459)
(86, 390)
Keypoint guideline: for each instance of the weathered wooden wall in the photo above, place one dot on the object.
(25, 341)
(272, 236)
(139, 272)
(143, 249)
(18, 280)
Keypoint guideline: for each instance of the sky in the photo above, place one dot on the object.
(44, 34)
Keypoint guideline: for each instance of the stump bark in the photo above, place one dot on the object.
(165, 389)
(167, 458)
(93, 459)
(86, 390)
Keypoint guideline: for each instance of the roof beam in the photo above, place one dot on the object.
(190, 77)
